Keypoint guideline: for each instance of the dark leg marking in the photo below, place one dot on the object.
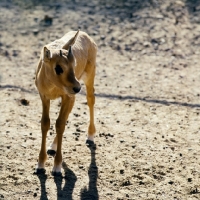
(89, 143)
(40, 171)
(51, 152)
(56, 174)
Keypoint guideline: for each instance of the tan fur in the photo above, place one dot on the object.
(76, 64)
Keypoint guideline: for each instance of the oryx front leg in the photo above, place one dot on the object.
(66, 107)
(45, 125)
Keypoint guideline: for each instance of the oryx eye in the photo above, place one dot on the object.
(58, 69)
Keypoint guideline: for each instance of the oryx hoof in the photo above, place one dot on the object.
(58, 174)
(40, 171)
(51, 152)
(90, 143)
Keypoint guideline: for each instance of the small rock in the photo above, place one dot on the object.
(189, 179)
(15, 53)
(194, 191)
(141, 183)
(172, 148)
(35, 19)
(35, 31)
(78, 130)
(23, 32)
(6, 53)
(24, 102)
(146, 44)
(47, 21)
(103, 37)
(179, 3)
(94, 33)
(126, 183)
(154, 41)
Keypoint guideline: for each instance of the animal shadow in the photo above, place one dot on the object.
(91, 193)
(43, 178)
(70, 180)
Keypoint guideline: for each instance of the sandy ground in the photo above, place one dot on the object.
(147, 108)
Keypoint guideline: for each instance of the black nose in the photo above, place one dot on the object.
(77, 89)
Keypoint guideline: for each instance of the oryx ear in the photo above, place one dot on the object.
(46, 54)
(71, 57)
(71, 41)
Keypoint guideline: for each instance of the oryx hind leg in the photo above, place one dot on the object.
(89, 83)
(45, 125)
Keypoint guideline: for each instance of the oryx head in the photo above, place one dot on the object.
(59, 67)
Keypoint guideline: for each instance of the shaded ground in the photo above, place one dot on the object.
(147, 101)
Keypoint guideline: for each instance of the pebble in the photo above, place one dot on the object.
(48, 20)
(15, 53)
(23, 32)
(35, 31)
(24, 102)
(103, 37)
(189, 179)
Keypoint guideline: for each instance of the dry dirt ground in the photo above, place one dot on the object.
(147, 108)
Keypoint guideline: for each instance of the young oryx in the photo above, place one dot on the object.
(62, 64)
